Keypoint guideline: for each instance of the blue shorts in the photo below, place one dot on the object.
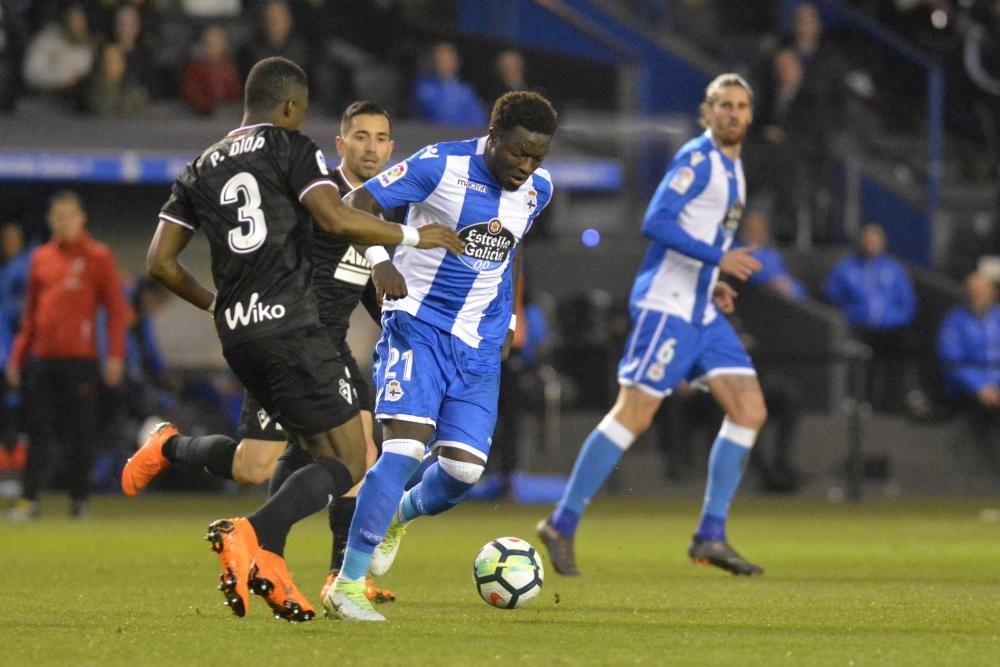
(662, 350)
(426, 375)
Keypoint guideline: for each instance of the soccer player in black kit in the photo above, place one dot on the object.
(341, 278)
(255, 195)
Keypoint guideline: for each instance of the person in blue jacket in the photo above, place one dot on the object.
(968, 346)
(774, 275)
(874, 292)
(442, 96)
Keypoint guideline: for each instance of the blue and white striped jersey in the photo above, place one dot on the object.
(691, 220)
(448, 183)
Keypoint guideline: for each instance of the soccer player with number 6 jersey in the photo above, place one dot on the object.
(438, 361)
(677, 334)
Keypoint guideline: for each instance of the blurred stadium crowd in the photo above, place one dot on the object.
(151, 59)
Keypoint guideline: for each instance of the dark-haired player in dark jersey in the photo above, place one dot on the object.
(341, 278)
(255, 195)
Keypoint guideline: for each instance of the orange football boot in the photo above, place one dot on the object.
(148, 462)
(236, 543)
(376, 595)
(270, 579)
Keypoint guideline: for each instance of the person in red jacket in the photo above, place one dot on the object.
(210, 78)
(71, 276)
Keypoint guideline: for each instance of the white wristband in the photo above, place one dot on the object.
(376, 255)
(211, 306)
(411, 236)
(513, 322)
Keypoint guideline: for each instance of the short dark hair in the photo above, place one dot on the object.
(269, 83)
(362, 108)
(65, 195)
(527, 109)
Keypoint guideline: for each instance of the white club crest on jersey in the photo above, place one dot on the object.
(345, 391)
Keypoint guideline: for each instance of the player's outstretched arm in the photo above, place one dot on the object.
(334, 217)
(163, 265)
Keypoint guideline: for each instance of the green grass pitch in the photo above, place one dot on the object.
(901, 583)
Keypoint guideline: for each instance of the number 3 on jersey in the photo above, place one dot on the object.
(252, 232)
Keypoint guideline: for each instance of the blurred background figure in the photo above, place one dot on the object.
(13, 292)
(140, 63)
(969, 350)
(111, 90)
(71, 277)
(210, 77)
(441, 96)
(520, 389)
(789, 137)
(61, 56)
(874, 292)
(275, 36)
(981, 59)
(774, 275)
(13, 34)
(508, 72)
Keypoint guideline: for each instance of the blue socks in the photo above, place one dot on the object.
(377, 502)
(437, 491)
(599, 455)
(726, 464)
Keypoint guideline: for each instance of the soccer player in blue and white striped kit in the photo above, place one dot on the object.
(437, 369)
(677, 333)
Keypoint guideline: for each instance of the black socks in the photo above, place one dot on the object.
(214, 453)
(340, 523)
(306, 491)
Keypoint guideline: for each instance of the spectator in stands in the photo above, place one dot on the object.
(442, 96)
(71, 277)
(789, 140)
(210, 78)
(140, 64)
(12, 39)
(274, 37)
(60, 56)
(981, 57)
(874, 292)
(508, 74)
(111, 92)
(774, 274)
(969, 350)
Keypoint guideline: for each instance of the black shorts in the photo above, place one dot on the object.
(299, 380)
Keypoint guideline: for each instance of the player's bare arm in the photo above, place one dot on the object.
(333, 217)
(163, 265)
(389, 282)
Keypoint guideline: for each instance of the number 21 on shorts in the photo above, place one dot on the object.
(664, 355)
(393, 390)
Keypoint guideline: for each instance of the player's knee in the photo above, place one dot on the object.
(464, 472)
(751, 413)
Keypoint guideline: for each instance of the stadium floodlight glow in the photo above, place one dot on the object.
(590, 238)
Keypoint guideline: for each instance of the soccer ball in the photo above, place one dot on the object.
(508, 573)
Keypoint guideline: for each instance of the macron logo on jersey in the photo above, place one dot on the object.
(255, 312)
